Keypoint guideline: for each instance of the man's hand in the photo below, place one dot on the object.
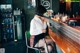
(43, 30)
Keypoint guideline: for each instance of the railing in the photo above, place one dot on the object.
(29, 49)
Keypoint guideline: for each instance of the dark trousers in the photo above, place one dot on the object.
(38, 37)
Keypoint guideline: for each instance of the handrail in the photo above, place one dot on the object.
(28, 45)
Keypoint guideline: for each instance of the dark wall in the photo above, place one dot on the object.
(29, 13)
(5, 1)
(75, 8)
(62, 7)
(55, 6)
(18, 4)
(2, 1)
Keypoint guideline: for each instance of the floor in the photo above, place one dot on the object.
(15, 47)
(18, 47)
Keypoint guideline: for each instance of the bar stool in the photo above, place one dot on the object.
(37, 47)
(29, 49)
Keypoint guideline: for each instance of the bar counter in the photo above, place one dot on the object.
(66, 37)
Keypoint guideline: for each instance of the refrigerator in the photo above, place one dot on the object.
(6, 23)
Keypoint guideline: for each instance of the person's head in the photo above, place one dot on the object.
(40, 10)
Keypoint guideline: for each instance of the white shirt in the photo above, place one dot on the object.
(36, 26)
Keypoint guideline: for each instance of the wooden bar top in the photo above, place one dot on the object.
(67, 38)
(74, 28)
(66, 44)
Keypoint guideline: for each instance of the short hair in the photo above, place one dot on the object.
(40, 10)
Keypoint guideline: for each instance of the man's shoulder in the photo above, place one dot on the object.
(33, 20)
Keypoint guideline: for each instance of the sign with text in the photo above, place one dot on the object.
(46, 3)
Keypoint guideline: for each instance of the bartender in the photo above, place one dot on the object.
(38, 26)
